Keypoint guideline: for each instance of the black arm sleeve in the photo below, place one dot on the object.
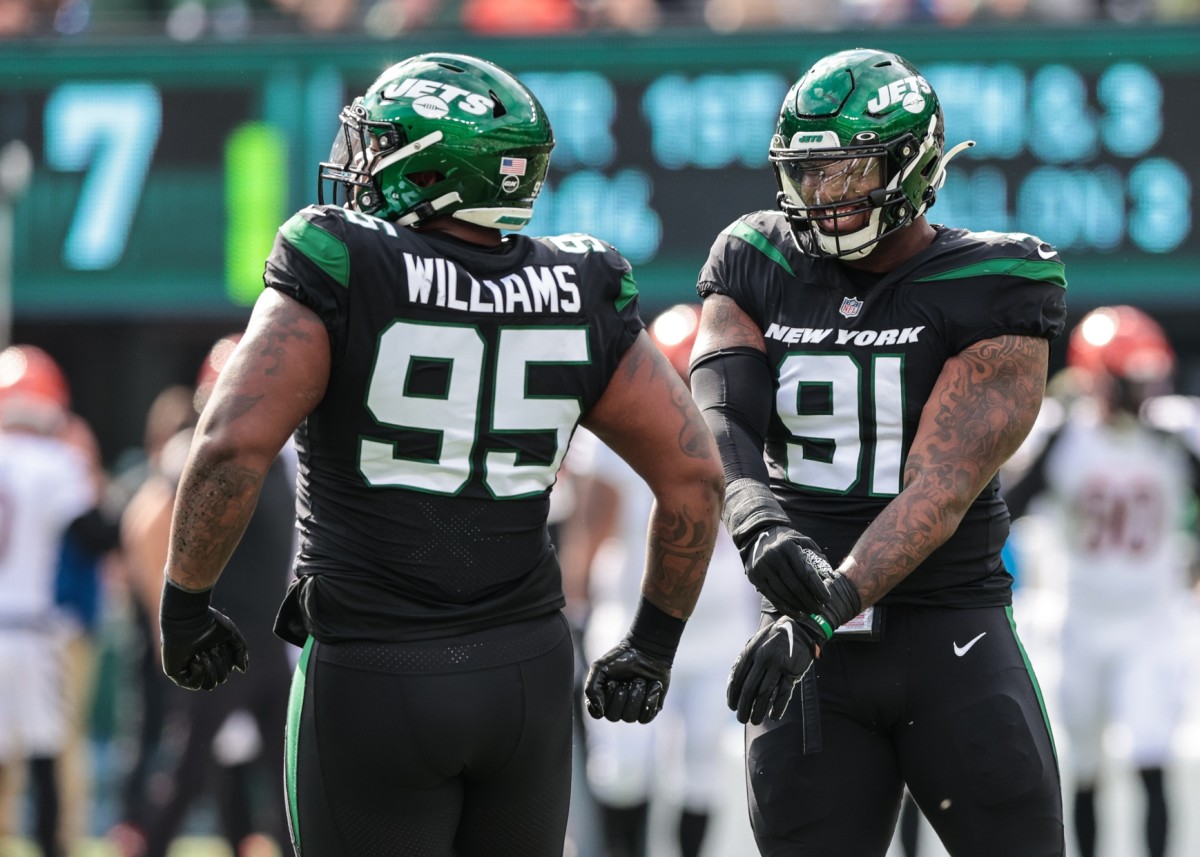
(733, 389)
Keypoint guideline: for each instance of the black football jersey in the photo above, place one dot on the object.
(855, 357)
(458, 376)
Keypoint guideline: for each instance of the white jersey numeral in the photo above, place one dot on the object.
(828, 450)
(455, 417)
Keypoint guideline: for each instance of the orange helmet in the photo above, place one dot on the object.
(33, 389)
(1123, 342)
(29, 371)
(211, 368)
(674, 332)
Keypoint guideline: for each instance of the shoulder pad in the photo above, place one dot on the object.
(1020, 244)
(765, 233)
(578, 242)
(319, 233)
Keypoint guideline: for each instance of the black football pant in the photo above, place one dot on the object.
(946, 703)
(456, 747)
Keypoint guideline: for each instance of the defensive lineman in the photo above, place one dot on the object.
(866, 373)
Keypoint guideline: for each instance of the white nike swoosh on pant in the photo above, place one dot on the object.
(959, 651)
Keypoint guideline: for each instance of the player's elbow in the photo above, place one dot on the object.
(714, 481)
(697, 485)
(217, 445)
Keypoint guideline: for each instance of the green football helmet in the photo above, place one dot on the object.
(858, 152)
(441, 134)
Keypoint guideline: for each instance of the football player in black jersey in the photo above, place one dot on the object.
(866, 373)
(433, 372)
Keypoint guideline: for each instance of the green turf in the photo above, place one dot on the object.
(185, 846)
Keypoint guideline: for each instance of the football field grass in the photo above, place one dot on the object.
(184, 846)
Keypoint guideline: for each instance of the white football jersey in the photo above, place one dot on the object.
(44, 485)
(1122, 495)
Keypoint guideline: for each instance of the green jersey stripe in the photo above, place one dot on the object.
(326, 251)
(1047, 271)
(629, 291)
(740, 229)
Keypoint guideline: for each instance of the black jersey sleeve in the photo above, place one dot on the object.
(1001, 284)
(626, 307)
(310, 263)
(738, 263)
(611, 295)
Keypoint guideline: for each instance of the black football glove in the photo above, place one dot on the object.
(769, 667)
(200, 645)
(789, 569)
(626, 684)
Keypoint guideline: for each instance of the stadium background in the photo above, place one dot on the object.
(149, 149)
(145, 176)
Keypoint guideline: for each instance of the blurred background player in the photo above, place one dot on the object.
(603, 551)
(1121, 477)
(48, 492)
(233, 744)
(143, 684)
(84, 562)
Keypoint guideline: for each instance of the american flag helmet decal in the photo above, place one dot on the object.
(512, 166)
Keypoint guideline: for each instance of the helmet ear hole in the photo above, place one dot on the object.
(426, 178)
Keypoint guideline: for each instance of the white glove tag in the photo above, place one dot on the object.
(866, 625)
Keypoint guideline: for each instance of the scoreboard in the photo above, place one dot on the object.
(161, 171)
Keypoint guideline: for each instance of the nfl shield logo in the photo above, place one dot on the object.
(850, 307)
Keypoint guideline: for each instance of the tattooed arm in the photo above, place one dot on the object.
(648, 417)
(274, 378)
(981, 408)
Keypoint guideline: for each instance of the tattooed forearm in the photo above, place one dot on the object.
(678, 552)
(214, 504)
(981, 409)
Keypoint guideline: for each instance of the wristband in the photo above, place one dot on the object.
(655, 632)
(821, 622)
(182, 608)
(844, 601)
(749, 507)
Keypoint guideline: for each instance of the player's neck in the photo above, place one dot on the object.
(473, 233)
(896, 248)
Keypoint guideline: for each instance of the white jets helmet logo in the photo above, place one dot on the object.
(431, 107)
(433, 99)
(909, 91)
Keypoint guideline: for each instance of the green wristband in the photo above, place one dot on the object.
(822, 623)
